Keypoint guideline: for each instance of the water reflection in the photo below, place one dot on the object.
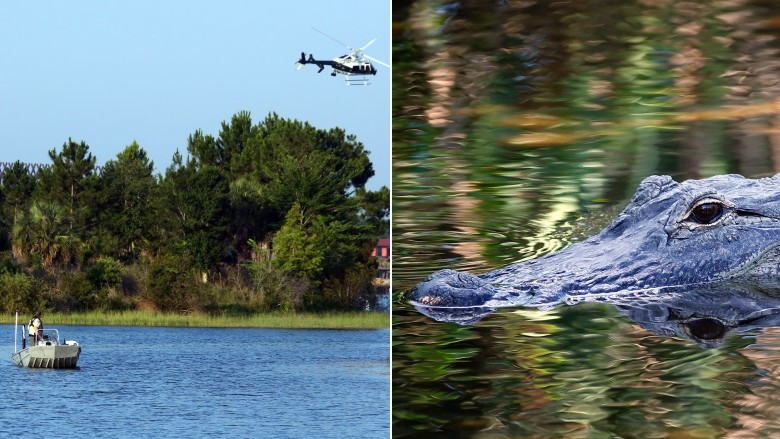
(572, 372)
(704, 314)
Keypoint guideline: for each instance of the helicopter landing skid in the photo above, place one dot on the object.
(362, 80)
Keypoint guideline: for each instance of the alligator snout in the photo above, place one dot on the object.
(450, 288)
(453, 296)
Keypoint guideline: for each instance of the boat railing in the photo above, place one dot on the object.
(48, 337)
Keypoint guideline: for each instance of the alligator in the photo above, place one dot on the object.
(671, 236)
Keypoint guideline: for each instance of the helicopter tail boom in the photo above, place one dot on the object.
(319, 63)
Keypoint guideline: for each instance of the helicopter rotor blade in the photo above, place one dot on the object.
(323, 33)
(367, 44)
(376, 61)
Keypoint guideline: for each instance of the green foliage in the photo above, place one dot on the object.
(170, 283)
(221, 152)
(8, 263)
(77, 293)
(234, 138)
(18, 186)
(297, 249)
(19, 292)
(375, 210)
(204, 149)
(44, 232)
(198, 212)
(281, 181)
(106, 273)
(343, 243)
(350, 291)
(71, 182)
(128, 188)
(276, 289)
(251, 213)
(314, 168)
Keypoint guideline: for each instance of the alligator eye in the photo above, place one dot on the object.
(707, 213)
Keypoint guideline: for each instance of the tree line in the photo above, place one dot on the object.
(264, 216)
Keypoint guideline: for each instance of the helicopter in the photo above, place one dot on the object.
(355, 66)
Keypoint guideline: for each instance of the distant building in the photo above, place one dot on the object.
(382, 249)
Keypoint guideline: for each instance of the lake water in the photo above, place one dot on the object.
(186, 382)
(520, 127)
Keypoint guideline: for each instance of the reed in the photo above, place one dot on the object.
(331, 320)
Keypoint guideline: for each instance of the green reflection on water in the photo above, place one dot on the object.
(583, 371)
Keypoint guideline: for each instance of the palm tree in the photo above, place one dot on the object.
(43, 231)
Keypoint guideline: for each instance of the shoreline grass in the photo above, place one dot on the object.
(329, 320)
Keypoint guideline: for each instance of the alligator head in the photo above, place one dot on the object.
(669, 235)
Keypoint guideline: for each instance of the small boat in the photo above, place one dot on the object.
(49, 352)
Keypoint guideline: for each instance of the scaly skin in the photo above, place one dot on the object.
(720, 229)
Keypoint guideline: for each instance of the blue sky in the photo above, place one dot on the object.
(110, 72)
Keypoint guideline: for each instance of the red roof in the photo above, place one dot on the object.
(384, 242)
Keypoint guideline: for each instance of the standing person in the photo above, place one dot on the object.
(34, 328)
